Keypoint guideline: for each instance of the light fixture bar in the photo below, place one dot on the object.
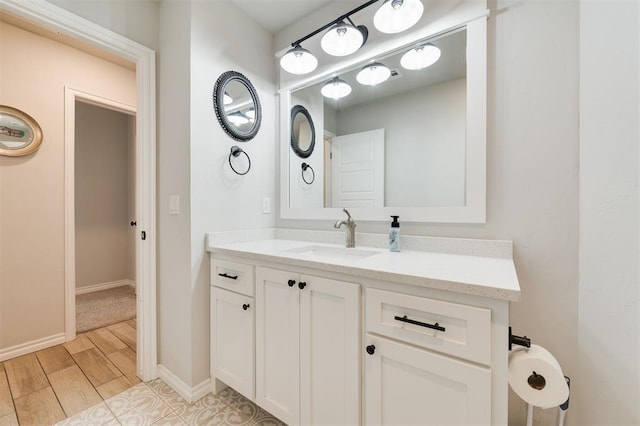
(335, 21)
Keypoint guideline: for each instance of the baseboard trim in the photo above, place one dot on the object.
(188, 393)
(32, 346)
(104, 286)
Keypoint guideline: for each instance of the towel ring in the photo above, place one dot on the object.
(306, 166)
(235, 152)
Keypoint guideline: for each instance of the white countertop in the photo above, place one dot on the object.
(475, 275)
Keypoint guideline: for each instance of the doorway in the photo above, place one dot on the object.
(67, 25)
(105, 216)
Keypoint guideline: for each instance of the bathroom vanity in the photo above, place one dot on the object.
(316, 333)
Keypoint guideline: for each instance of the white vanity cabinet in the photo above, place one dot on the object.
(307, 348)
(232, 326)
(413, 371)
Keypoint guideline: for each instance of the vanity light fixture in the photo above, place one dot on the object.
(373, 74)
(227, 99)
(395, 16)
(298, 60)
(335, 89)
(344, 37)
(420, 57)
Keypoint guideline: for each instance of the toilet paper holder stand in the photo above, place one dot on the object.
(518, 340)
(526, 342)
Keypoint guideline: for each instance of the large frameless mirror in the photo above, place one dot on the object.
(408, 139)
(20, 134)
(237, 106)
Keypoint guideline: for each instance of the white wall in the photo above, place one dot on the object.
(608, 377)
(102, 187)
(174, 141)
(134, 19)
(425, 143)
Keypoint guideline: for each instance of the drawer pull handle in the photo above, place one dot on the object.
(371, 349)
(435, 326)
(246, 306)
(225, 275)
(291, 283)
(302, 285)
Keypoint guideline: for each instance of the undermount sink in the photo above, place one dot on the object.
(333, 252)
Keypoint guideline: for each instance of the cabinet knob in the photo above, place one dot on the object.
(246, 306)
(371, 349)
(291, 283)
(302, 285)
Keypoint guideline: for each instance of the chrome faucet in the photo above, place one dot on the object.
(350, 228)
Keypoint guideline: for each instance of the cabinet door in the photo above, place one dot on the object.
(329, 352)
(278, 344)
(232, 348)
(411, 386)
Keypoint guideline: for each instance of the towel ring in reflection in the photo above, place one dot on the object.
(235, 152)
(306, 166)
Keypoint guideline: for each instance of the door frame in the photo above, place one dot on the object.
(59, 20)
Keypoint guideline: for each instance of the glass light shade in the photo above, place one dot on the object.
(373, 74)
(342, 39)
(335, 89)
(298, 61)
(421, 57)
(395, 16)
(227, 99)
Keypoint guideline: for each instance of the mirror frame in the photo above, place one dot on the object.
(302, 153)
(218, 104)
(33, 125)
(474, 210)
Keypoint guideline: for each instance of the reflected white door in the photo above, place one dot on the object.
(357, 170)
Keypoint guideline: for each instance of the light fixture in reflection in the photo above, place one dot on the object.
(237, 119)
(343, 39)
(335, 89)
(298, 60)
(250, 114)
(395, 16)
(227, 99)
(420, 57)
(373, 74)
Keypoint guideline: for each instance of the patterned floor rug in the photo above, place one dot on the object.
(105, 307)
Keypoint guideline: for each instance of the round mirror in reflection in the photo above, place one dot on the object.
(237, 106)
(303, 132)
(19, 133)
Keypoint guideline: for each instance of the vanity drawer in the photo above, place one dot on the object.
(233, 276)
(467, 329)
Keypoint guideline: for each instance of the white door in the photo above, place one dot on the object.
(357, 170)
(329, 352)
(410, 386)
(232, 349)
(278, 344)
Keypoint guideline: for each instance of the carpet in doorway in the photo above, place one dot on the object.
(104, 307)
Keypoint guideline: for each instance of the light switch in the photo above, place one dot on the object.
(266, 205)
(174, 204)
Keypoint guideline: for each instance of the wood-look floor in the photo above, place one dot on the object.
(50, 385)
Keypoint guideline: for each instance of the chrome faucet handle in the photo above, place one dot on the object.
(349, 218)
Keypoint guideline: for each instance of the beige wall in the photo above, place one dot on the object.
(102, 203)
(33, 74)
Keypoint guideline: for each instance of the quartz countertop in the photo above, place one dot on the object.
(467, 274)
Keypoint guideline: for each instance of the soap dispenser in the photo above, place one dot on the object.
(394, 235)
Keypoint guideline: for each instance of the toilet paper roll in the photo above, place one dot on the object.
(536, 377)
